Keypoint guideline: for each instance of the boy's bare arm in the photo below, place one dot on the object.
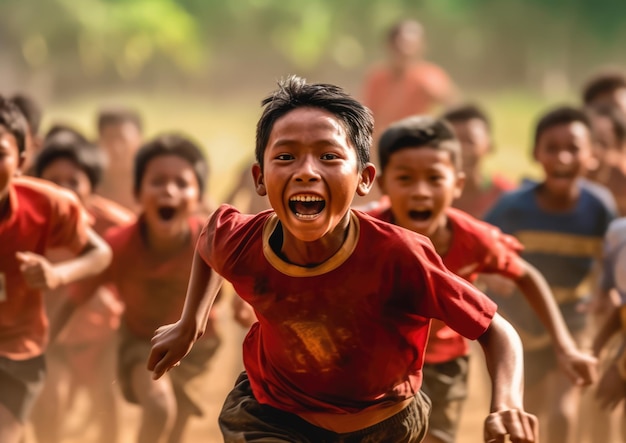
(580, 367)
(504, 358)
(39, 273)
(172, 342)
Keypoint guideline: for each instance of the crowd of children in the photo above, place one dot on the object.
(359, 311)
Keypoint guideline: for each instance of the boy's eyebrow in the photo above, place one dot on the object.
(290, 142)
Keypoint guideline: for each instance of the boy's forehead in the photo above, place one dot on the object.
(308, 124)
(7, 139)
(564, 130)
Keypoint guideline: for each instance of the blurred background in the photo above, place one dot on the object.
(202, 66)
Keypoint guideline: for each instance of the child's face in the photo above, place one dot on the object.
(475, 140)
(564, 152)
(311, 173)
(616, 97)
(120, 141)
(421, 183)
(10, 161)
(168, 194)
(607, 148)
(65, 173)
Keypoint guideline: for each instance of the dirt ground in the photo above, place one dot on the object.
(226, 367)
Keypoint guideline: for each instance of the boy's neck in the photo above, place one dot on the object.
(441, 238)
(166, 244)
(552, 202)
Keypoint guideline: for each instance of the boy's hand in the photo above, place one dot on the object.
(170, 344)
(581, 368)
(611, 388)
(38, 272)
(520, 426)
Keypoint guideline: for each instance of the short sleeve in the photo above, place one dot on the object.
(69, 222)
(503, 255)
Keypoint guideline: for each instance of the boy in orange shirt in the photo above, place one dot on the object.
(82, 356)
(420, 159)
(336, 353)
(34, 217)
(150, 268)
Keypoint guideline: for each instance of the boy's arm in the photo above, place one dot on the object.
(172, 342)
(581, 368)
(39, 273)
(504, 358)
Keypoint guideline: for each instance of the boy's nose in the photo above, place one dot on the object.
(307, 170)
(565, 157)
(420, 189)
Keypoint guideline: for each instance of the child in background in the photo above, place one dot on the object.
(150, 268)
(421, 176)
(561, 224)
(120, 134)
(336, 353)
(473, 130)
(83, 355)
(606, 88)
(34, 217)
(32, 113)
(609, 125)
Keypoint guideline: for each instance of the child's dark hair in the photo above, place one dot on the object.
(294, 93)
(12, 119)
(466, 112)
(417, 132)
(562, 115)
(616, 117)
(602, 83)
(30, 110)
(117, 116)
(68, 144)
(171, 144)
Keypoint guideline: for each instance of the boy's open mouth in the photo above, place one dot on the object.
(306, 206)
(422, 215)
(166, 213)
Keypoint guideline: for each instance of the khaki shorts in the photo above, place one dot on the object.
(21, 382)
(186, 379)
(243, 419)
(446, 385)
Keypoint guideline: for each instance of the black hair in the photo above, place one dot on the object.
(63, 128)
(68, 144)
(417, 132)
(602, 83)
(466, 112)
(294, 92)
(12, 119)
(117, 116)
(561, 115)
(615, 116)
(30, 110)
(171, 144)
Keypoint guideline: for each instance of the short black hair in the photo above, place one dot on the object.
(602, 83)
(294, 92)
(30, 109)
(561, 115)
(465, 112)
(110, 116)
(416, 132)
(14, 121)
(615, 116)
(171, 144)
(69, 144)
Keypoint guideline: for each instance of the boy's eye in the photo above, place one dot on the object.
(181, 183)
(329, 156)
(403, 178)
(284, 157)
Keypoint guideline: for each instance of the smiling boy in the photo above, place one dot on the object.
(336, 354)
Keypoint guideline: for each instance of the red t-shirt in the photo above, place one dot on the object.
(476, 247)
(348, 333)
(152, 287)
(42, 216)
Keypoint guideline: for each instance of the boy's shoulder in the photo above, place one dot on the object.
(41, 192)
(599, 195)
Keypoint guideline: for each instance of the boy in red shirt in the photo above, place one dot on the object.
(150, 270)
(337, 352)
(83, 355)
(34, 217)
(420, 159)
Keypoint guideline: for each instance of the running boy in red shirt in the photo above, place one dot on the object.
(83, 354)
(337, 352)
(34, 217)
(421, 176)
(150, 270)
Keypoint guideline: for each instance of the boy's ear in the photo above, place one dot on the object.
(460, 184)
(366, 179)
(21, 161)
(257, 175)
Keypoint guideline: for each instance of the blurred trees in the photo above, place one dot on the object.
(543, 43)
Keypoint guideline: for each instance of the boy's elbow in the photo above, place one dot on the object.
(100, 252)
(500, 333)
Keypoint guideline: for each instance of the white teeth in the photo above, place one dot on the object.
(306, 198)
(306, 216)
